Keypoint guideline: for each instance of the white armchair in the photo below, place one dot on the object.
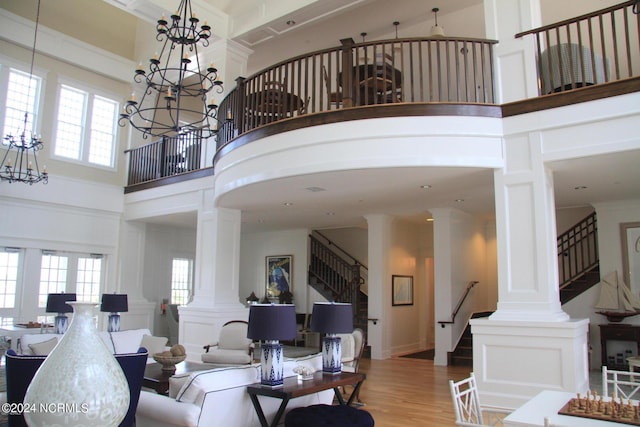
(233, 346)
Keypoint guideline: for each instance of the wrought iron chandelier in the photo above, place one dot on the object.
(20, 163)
(178, 97)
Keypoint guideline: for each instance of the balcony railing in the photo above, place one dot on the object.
(435, 69)
(595, 48)
(591, 49)
(166, 157)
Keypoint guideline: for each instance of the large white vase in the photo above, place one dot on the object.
(80, 382)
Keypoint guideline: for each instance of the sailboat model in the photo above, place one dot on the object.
(617, 299)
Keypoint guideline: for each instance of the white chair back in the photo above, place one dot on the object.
(466, 402)
(624, 384)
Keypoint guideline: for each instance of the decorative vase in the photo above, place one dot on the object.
(80, 382)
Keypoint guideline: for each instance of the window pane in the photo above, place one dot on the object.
(103, 131)
(181, 280)
(88, 279)
(21, 97)
(71, 108)
(8, 278)
(53, 277)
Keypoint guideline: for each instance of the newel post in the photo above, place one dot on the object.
(347, 72)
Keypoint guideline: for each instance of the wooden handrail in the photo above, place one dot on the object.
(455, 311)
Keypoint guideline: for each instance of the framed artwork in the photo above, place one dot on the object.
(278, 269)
(630, 236)
(401, 290)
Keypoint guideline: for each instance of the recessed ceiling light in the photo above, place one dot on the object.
(330, 213)
(425, 186)
(315, 189)
(580, 187)
(291, 22)
(459, 200)
(288, 204)
(429, 219)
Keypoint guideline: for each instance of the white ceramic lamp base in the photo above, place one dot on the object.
(331, 354)
(114, 322)
(272, 364)
(60, 324)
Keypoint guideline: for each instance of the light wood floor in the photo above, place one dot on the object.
(407, 392)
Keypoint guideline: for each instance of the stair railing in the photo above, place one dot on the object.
(578, 250)
(455, 311)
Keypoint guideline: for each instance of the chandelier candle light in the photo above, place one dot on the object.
(20, 163)
(178, 96)
(331, 319)
(272, 323)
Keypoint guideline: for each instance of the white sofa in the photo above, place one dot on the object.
(120, 342)
(218, 397)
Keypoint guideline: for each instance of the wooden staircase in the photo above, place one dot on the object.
(337, 279)
(462, 355)
(579, 270)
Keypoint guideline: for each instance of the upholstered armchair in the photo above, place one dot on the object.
(20, 370)
(233, 346)
(133, 365)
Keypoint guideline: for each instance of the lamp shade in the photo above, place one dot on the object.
(332, 318)
(114, 303)
(272, 322)
(57, 303)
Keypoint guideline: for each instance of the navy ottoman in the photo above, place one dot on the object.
(327, 415)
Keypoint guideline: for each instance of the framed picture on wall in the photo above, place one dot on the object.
(279, 275)
(630, 236)
(402, 290)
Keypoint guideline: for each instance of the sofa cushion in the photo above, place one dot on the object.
(217, 379)
(128, 341)
(227, 357)
(28, 339)
(43, 348)
(154, 344)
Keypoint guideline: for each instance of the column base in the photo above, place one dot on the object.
(514, 361)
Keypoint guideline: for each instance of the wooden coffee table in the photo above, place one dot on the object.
(157, 379)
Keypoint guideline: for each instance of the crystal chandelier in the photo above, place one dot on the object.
(178, 96)
(20, 163)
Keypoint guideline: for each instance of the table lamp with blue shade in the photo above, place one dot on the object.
(114, 304)
(57, 303)
(271, 323)
(331, 319)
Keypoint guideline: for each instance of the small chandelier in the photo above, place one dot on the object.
(175, 97)
(20, 163)
(436, 30)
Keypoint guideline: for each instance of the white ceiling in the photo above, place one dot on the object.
(347, 196)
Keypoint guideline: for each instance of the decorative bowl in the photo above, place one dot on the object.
(168, 362)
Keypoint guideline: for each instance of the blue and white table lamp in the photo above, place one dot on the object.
(57, 303)
(271, 323)
(332, 318)
(114, 304)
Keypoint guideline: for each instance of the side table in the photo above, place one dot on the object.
(293, 388)
(157, 379)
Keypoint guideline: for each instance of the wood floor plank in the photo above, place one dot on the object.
(406, 392)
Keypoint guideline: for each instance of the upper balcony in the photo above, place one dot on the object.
(588, 57)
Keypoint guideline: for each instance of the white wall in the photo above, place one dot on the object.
(65, 215)
(162, 244)
(255, 247)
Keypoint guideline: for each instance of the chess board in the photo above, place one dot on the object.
(604, 409)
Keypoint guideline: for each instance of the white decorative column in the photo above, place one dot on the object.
(514, 59)
(380, 230)
(529, 344)
(130, 261)
(216, 295)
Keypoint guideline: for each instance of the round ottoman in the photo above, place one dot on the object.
(327, 415)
